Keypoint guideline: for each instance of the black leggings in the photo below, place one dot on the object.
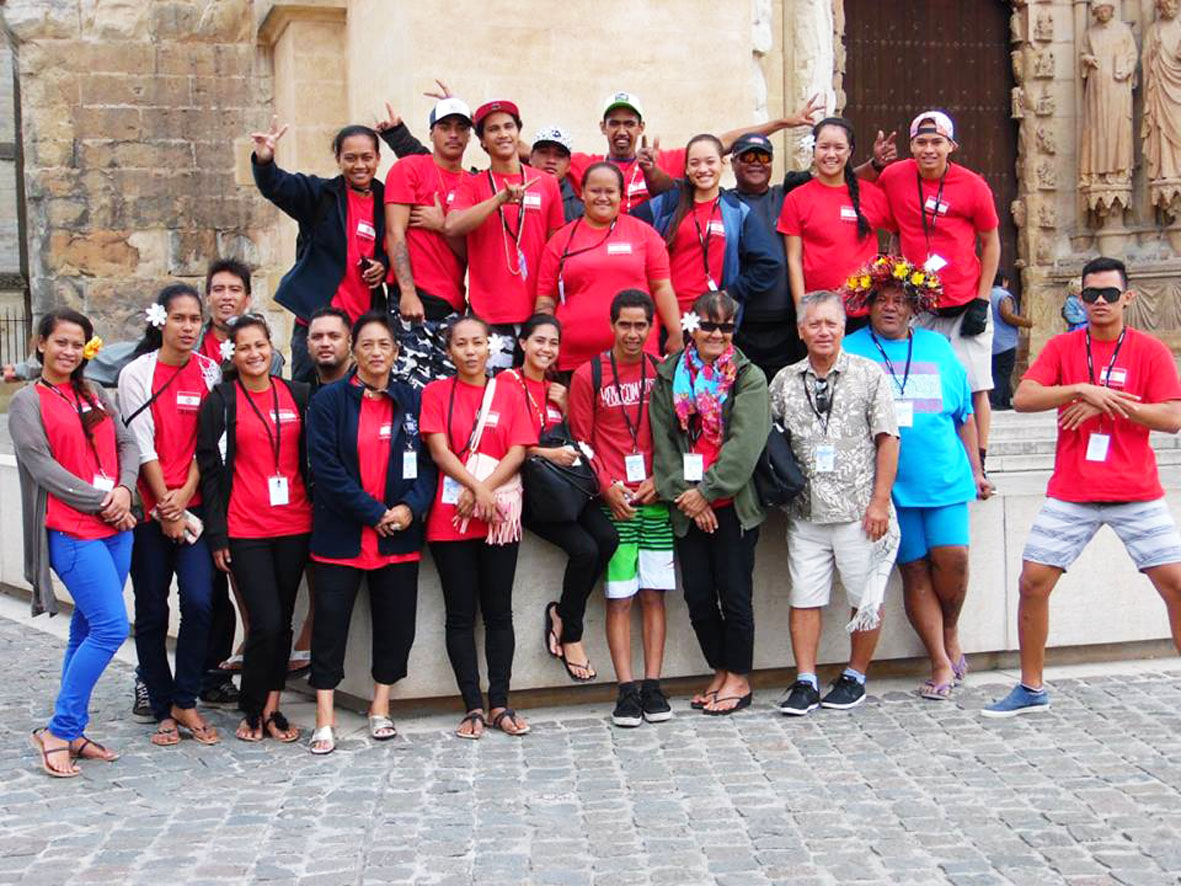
(717, 573)
(393, 605)
(589, 542)
(267, 571)
(475, 574)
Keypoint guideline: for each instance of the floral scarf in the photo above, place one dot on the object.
(702, 389)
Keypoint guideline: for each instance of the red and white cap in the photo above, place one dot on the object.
(936, 121)
(502, 106)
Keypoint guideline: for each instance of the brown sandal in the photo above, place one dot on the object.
(281, 724)
(36, 741)
(166, 736)
(510, 715)
(79, 753)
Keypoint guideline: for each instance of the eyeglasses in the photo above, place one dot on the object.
(710, 326)
(756, 157)
(822, 393)
(1110, 294)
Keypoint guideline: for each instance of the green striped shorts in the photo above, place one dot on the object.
(644, 558)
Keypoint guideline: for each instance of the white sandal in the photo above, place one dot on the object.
(324, 734)
(378, 722)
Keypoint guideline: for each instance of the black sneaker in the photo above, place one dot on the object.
(141, 707)
(802, 698)
(224, 694)
(845, 693)
(654, 702)
(628, 711)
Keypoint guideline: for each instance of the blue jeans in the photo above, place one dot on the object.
(154, 560)
(94, 572)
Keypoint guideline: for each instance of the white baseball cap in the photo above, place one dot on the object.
(939, 123)
(627, 100)
(555, 135)
(450, 107)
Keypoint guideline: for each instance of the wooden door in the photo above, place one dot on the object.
(907, 56)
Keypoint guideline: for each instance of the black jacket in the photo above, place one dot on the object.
(341, 506)
(320, 206)
(218, 419)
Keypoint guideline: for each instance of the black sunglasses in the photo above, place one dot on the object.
(726, 328)
(821, 392)
(1110, 294)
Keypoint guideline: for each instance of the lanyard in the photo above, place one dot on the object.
(530, 402)
(76, 405)
(703, 239)
(275, 439)
(890, 363)
(459, 453)
(155, 396)
(927, 232)
(826, 416)
(634, 431)
(635, 176)
(567, 253)
(506, 231)
(1091, 364)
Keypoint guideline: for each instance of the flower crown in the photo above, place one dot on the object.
(922, 288)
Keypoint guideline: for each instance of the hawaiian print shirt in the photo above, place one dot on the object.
(836, 453)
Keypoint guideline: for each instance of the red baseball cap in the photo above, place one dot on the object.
(499, 105)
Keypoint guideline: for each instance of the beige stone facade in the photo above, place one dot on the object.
(135, 117)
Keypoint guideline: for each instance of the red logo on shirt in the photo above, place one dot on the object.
(188, 401)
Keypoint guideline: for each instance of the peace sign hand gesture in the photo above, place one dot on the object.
(646, 156)
(264, 142)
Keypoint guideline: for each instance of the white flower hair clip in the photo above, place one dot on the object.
(495, 343)
(690, 322)
(227, 350)
(808, 143)
(156, 315)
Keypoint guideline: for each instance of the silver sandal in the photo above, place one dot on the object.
(378, 722)
(325, 734)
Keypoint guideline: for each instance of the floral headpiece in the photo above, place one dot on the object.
(690, 322)
(91, 348)
(156, 315)
(923, 288)
(226, 349)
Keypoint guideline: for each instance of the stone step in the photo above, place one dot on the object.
(1026, 442)
(1044, 461)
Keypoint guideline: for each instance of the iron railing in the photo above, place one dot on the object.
(16, 333)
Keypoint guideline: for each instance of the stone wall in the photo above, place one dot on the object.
(130, 115)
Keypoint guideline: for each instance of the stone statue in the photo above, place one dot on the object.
(1161, 128)
(1043, 29)
(1108, 70)
(1018, 97)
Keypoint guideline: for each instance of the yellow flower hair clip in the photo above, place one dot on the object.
(91, 348)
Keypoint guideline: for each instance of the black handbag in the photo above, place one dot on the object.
(778, 478)
(555, 493)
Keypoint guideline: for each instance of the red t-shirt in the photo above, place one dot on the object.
(374, 433)
(603, 420)
(416, 181)
(704, 223)
(353, 294)
(1144, 367)
(628, 258)
(543, 414)
(175, 415)
(250, 513)
(502, 285)
(70, 449)
(635, 187)
(709, 455)
(966, 208)
(508, 425)
(824, 219)
(211, 347)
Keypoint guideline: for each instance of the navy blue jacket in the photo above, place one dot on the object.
(320, 206)
(340, 506)
(752, 263)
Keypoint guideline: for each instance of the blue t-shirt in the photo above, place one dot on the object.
(1004, 335)
(933, 468)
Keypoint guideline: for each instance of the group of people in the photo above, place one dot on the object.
(619, 325)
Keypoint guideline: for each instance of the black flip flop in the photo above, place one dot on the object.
(700, 705)
(586, 666)
(743, 702)
(549, 630)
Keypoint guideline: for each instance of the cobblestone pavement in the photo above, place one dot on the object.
(898, 791)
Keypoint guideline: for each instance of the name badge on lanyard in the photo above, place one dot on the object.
(1097, 446)
(904, 409)
(278, 490)
(634, 465)
(826, 458)
(103, 482)
(409, 465)
(451, 490)
(934, 263)
(693, 466)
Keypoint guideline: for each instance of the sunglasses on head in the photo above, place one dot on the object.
(726, 328)
(1110, 294)
(756, 157)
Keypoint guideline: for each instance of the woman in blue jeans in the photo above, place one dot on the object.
(77, 464)
(160, 394)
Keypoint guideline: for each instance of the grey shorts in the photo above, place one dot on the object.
(1063, 528)
(974, 351)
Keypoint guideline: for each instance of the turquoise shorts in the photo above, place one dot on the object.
(926, 528)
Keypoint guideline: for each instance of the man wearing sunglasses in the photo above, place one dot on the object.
(1111, 385)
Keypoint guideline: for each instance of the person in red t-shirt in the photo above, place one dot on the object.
(477, 430)
(609, 399)
(257, 513)
(594, 257)
(940, 212)
(77, 464)
(507, 213)
(160, 394)
(1111, 385)
(829, 223)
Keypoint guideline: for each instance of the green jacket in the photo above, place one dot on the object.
(747, 414)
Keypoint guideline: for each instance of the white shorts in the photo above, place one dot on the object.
(1063, 528)
(813, 549)
(974, 351)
